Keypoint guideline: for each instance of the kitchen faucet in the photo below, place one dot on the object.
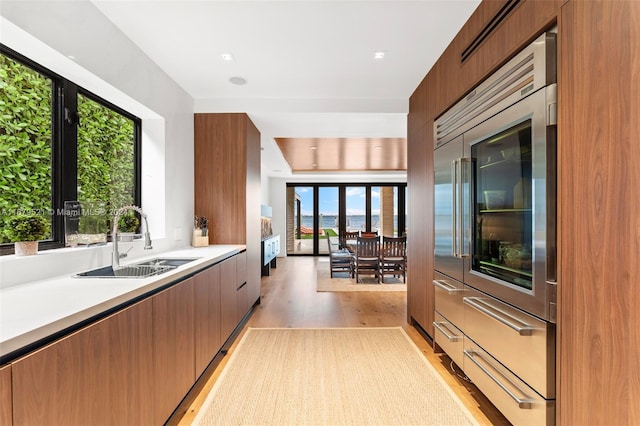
(116, 256)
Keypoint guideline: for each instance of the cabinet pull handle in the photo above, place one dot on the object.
(441, 326)
(504, 318)
(449, 288)
(523, 403)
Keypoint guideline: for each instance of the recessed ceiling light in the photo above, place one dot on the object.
(227, 57)
(238, 81)
(378, 146)
(379, 54)
(313, 147)
(314, 165)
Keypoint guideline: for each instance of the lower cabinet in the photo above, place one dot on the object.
(133, 367)
(242, 302)
(99, 375)
(174, 342)
(228, 289)
(245, 298)
(208, 336)
(6, 415)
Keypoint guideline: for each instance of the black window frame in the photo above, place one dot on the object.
(342, 206)
(64, 156)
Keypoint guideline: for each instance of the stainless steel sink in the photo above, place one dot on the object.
(129, 271)
(143, 269)
(173, 262)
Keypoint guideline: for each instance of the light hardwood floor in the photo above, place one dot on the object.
(289, 299)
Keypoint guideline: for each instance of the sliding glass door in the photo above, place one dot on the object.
(304, 218)
(317, 212)
(328, 216)
(356, 208)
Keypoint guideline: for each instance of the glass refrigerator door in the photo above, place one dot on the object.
(502, 199)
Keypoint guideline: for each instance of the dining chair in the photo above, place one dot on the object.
(347, 236)
(367, 259)
(393, 257)
(340, 260)
(369, 234)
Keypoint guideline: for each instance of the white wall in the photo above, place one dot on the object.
(278, 203)
(110, 65)
(265, 183)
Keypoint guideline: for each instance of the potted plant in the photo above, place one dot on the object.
(128, 225)
(25, 231)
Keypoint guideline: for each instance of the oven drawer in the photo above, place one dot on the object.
(448, 298)
(515, 400)
(449, 338)
(523, 343)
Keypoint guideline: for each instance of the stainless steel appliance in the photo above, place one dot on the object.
(495, 239)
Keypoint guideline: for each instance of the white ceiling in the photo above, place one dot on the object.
(309, 65)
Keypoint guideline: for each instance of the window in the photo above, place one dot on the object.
(316, 211)
(106, 155)
(59, 142)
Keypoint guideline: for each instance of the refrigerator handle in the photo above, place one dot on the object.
(464, 211)
(454, 208)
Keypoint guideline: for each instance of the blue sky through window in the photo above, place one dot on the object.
(328, 200)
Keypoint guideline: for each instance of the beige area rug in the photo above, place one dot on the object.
(341, 281)
(330, 376)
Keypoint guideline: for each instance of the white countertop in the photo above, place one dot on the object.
(33, 311)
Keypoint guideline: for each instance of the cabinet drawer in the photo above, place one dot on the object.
(523, 343)
(241, 268)
(449, 338)
(516, 401)
(448, 298)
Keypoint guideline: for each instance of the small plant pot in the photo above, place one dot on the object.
(26, 248)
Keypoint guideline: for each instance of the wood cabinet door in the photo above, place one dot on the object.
(207, 313)
(241, 268)
(100, 375)
(242, 303)
(252, 290)
(173, 339)
(6, 407)
(420, 244)
(228, 289)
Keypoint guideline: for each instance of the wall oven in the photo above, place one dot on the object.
(495, 250)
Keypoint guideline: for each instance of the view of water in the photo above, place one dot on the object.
(353, 221)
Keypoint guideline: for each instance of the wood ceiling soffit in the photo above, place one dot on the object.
(344, 154)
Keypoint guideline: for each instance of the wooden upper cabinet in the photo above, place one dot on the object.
(227, 169)
(6, 403)
(418, 102)
(484, 43)
(98, 375)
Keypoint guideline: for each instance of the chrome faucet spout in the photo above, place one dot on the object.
(116, 255)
